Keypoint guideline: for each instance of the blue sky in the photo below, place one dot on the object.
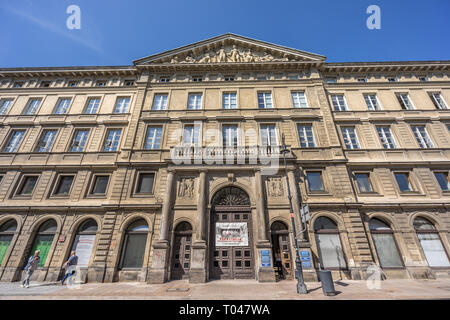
(34, 33)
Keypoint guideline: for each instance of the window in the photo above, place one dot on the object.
(84, 241)
(112, 140)
(164, 79)
(372, 102)
(45, 84)
(43, 240)
(229, 100)
(14, 141)
(63, 186)
(338, 101)
(230, 135)
(62, 106)
(73, 83)
(305, 133)
(27, 186)
(122, 105)
(129, 83)
(314, 179)
(191, 135)
(195, 101)
(92, 106)
(443, 180)
(159, 102)
(362, 80)
(32, 106)
(431, 243)
(392, 79)
(153, 138)
(45, 143)
(422, 137)
(5, 105)
(386, 138)
(7, 231)
(423, 79)
(145, 183)
(229, 78)
(134, 245)
(265, 100)
(363, 181)
(100, 83)
(331, 80)
(79, 140)
(405, 102)
(299, 99)
(19, 84)
(100, 184)
(197, 78)
(385, 246)
(269, 135)
(403, 181)
(329, 244)
(350, 139)
(438, 100)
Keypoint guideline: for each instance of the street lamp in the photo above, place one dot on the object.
(301, 287)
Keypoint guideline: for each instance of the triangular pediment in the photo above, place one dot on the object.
(230, 48)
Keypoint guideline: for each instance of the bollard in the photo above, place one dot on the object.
(327, 282)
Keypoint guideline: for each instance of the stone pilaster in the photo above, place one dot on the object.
(160, 262)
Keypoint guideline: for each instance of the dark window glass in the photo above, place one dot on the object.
(64, 184)
(403, 181)
(246, 253)
(442, 178)
(216, 264)
(28, 185)
(134, 245)
(145, 183)
(247, 264)
(236, 217)
(216, 253)
(314, 181)
(363, 181)
(224, 253)
(100, 184)
(225, 263)
(238, 253)
(238, 263)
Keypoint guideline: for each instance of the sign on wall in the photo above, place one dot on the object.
(265, 258)
(306, 259)
(83, 245)
(231, 234)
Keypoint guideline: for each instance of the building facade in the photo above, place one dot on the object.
(171, 168)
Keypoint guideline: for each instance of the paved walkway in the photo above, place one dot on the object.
(229, 289)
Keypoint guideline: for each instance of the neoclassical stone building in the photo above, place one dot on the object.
(171, 169)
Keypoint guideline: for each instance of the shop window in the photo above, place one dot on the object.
(329, 244)
(134, 244)
(431, 243)
(385, 245)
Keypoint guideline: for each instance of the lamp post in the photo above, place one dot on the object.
(301, 287)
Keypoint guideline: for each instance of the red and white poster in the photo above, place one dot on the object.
(231, 234)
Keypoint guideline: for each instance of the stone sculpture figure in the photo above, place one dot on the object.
(186, 189)
(248, 56)
(206, 58)
(235, 55)
(221, 56)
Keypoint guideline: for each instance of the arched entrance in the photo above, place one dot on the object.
(181, 260)
(281, 250)
(231, 237)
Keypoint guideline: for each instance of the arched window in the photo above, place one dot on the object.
(134, 244)
(329, 244)
(6, 234)
(84, 241)
(181, 261)
(385, 245)
(431, 243)
(43, 240)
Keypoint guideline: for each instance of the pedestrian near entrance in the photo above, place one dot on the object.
(70, 266)
(32, 264)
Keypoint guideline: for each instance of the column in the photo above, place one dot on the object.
(263, 261)
(160, 262)
(197, 272)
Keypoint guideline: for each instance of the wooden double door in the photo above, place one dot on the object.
(233, 260)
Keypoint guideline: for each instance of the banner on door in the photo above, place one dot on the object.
(82, 246)
(231, 234)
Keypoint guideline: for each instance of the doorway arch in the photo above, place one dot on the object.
(279, 234)
(231, 238)
(181, 258)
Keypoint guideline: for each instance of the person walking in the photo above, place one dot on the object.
(70, 266)
(32, 264)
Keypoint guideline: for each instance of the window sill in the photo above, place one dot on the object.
(143, 195)
(93, 196)
(411, 193)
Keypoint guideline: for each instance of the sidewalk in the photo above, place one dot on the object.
(229, 289)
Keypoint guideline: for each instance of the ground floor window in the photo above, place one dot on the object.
(431, 243)
(329, 244)
(385, 245)
(43, 240)
(84, 242)
(134, 245)
(7, 230)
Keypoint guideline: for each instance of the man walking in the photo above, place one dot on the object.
(32, 264)
(70, 264)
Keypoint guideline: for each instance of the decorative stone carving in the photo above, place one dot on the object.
(275, 187)
(186, 189)
(231, 54)
(230, 196)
